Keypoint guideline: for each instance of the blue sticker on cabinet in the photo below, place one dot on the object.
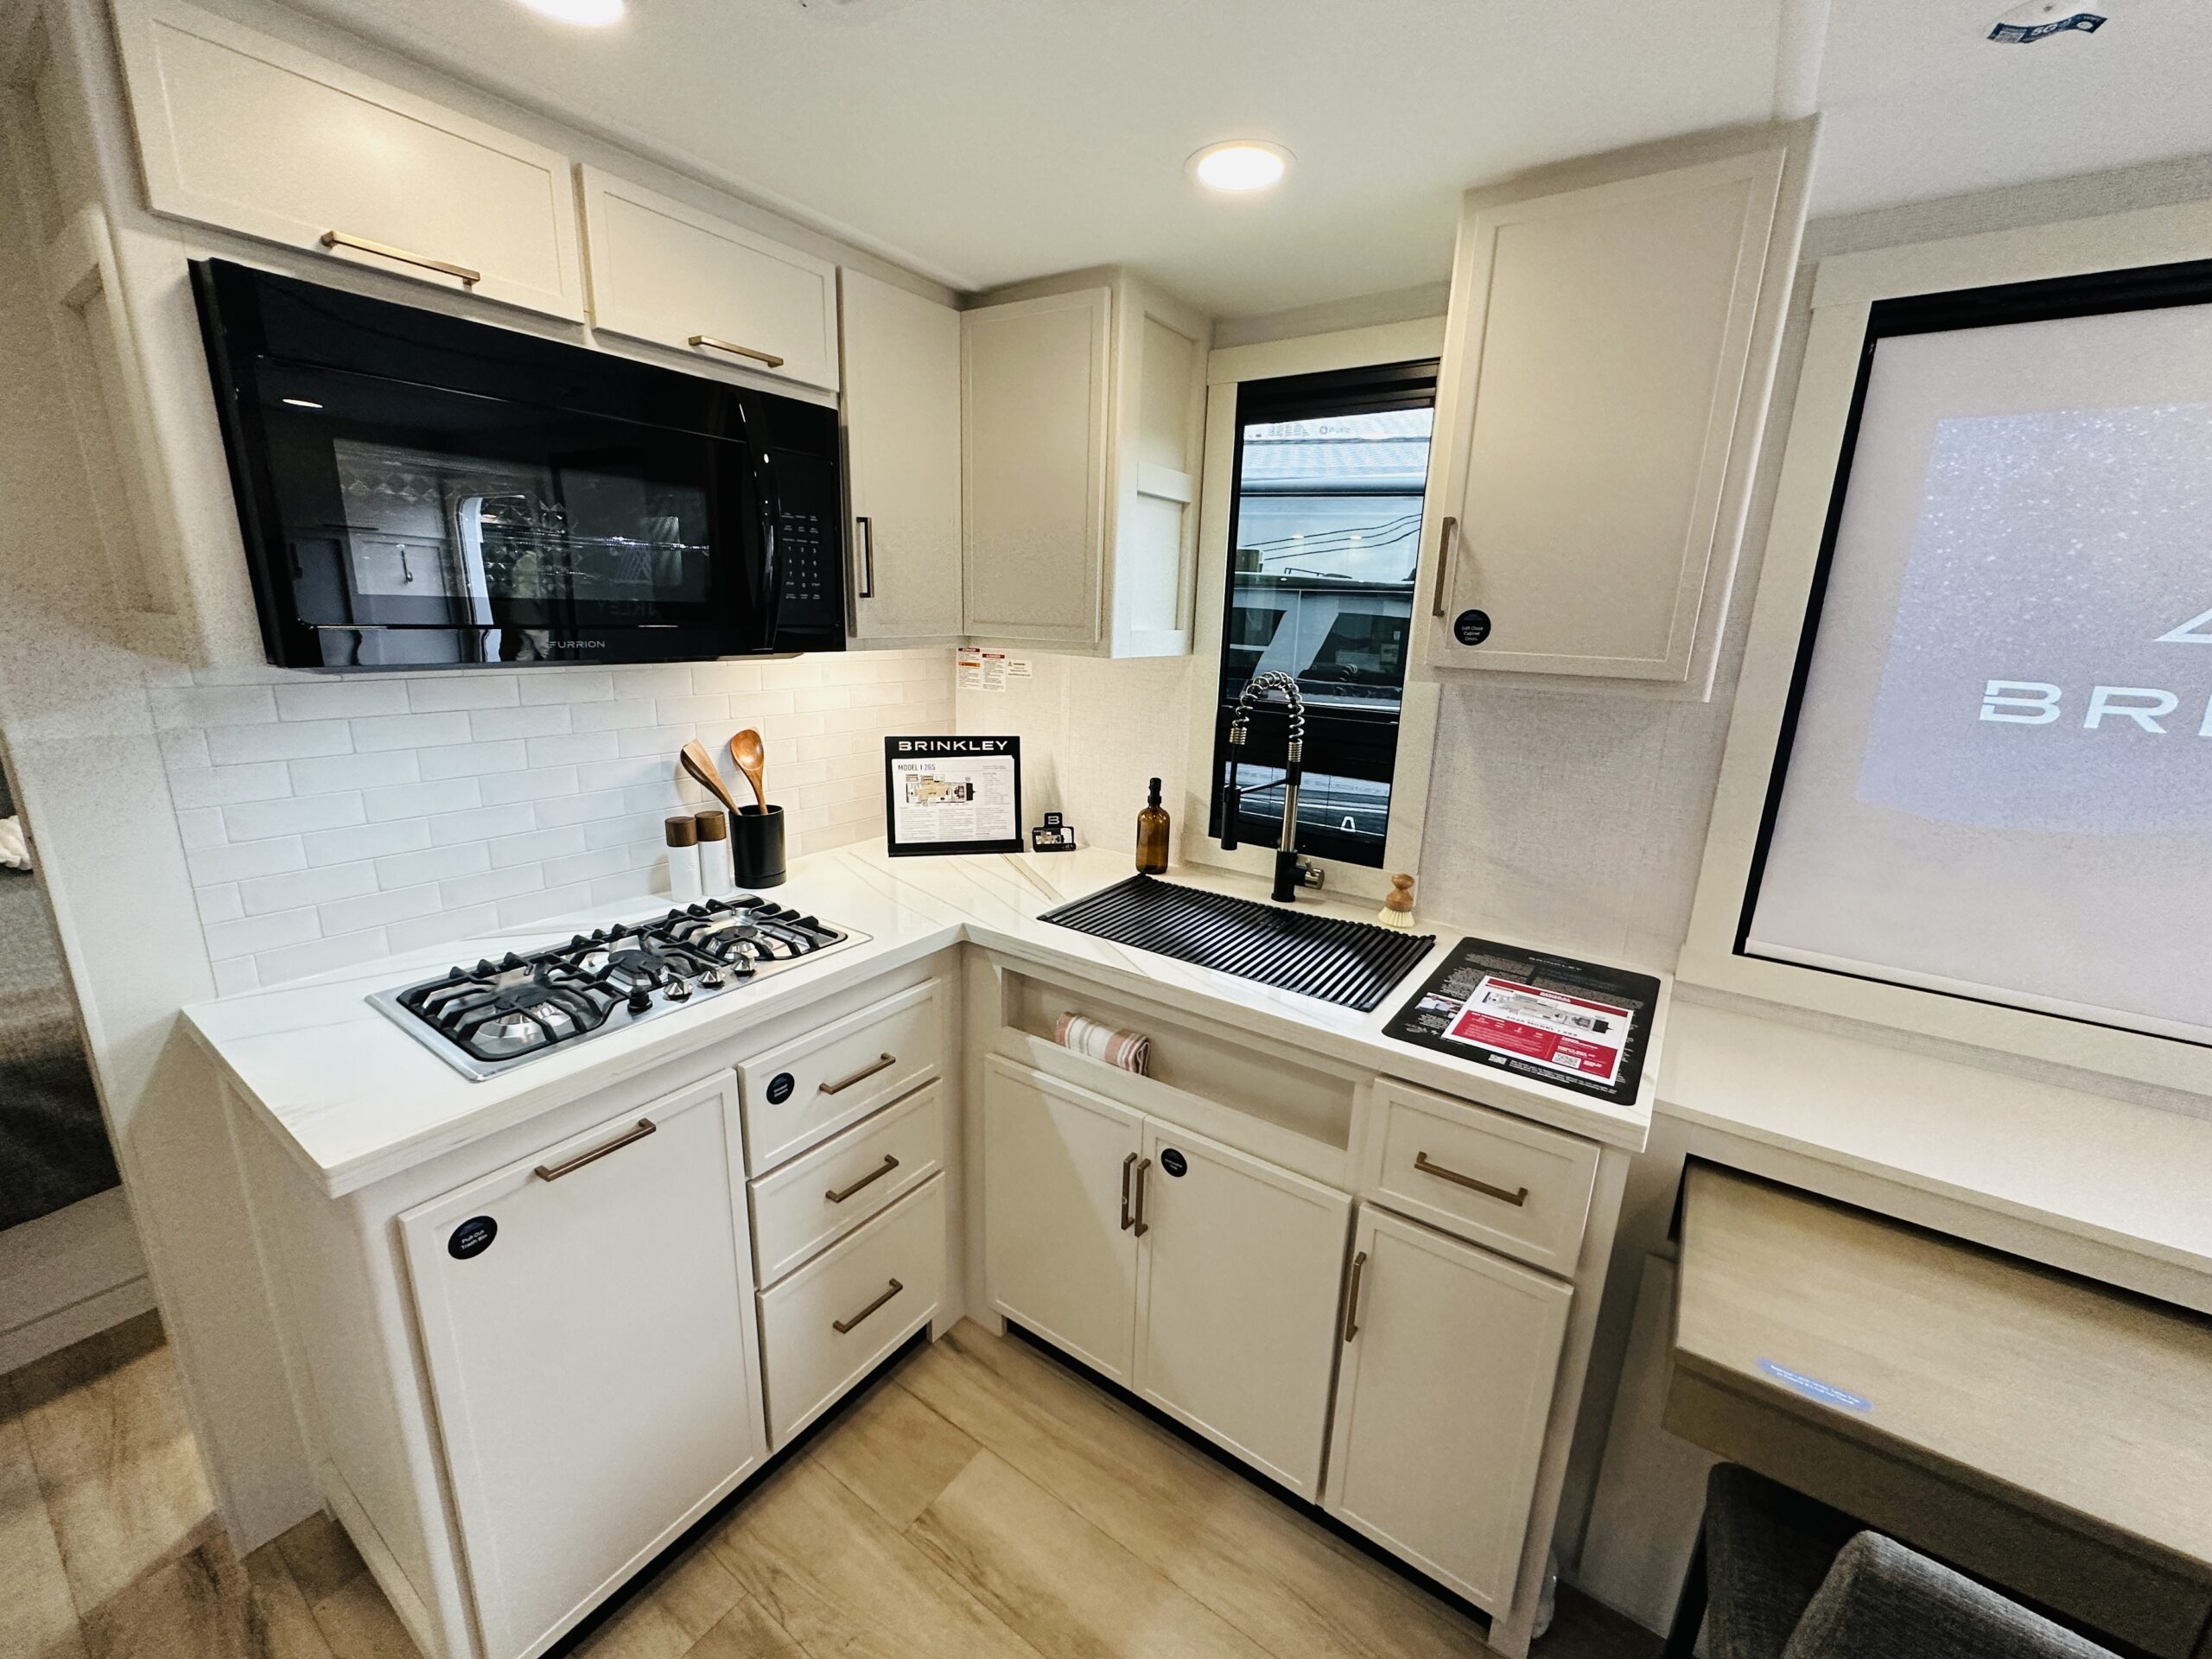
(1812, 1389)
(472, 1237)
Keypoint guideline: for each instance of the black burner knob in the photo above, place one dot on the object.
(641, 1001)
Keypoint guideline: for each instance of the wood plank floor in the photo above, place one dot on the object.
(979, 1503)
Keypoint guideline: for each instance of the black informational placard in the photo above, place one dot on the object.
(944, 795)
(1553, 1018)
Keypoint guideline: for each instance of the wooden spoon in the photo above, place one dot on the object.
(701, 764)
(751, 759)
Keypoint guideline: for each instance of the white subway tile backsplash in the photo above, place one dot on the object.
(540, 720)
(329, 775)
(329, 821)
(420, 800)
(291, 740)
(436, 864)
(474, 691)
(298, 887)
(252, 858)
(482, 823)
(536, 844)
(474, 759)
(366, 840)
(568, 685)
(261, 820)
(504, 787)
(338, 699)
(409, 731)
(376, 909)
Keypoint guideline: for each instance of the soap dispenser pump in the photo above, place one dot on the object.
(1151, 835)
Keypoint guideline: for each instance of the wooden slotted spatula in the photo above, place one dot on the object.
(752, 756)
(701, 764)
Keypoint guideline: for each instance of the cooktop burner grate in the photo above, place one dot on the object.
(1352, 964)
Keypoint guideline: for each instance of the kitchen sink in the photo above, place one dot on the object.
(1353, 964)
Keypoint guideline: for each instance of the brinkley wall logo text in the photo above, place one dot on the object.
(2141, 708)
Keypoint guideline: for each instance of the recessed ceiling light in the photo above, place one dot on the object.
(1241, 164)
(592, 12)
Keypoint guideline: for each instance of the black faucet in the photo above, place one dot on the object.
(1290, 870)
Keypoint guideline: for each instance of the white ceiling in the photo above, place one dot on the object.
(985, 141)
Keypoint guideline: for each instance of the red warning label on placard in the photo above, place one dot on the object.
(1549, 1028)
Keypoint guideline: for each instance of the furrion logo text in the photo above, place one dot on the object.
(2144, 707)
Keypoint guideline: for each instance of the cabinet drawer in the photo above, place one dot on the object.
(240, 130)
(811, 1087)
(840, 1184)
(664, 271)
(824, 1326)
(1522, 1190)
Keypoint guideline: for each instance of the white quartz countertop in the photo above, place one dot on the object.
(357, 1099)
(2110, 1171)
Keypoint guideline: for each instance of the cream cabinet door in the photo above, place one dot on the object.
(662, 270)
(249, 133)
(587, 1322)
(1593, 440)
(1059, 1240)
(1034, 384)
(1240, 1267)
(1443, 1394)
(901, 361)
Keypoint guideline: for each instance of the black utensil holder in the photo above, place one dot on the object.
(756, 840)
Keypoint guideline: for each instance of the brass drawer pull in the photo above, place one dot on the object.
(645, 1127)
(861, 1075)
(1352, 1297)
(1443, 565)
(711, 344)
(842, 1326)
(838, 1195)
(1128, 1164)
(1516, 1197)
(467, 278)
(1141, 1226)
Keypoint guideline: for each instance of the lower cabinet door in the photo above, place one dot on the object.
(1240, 1267)
(1450, 1354)
(1059, 1240)
(586, 1317)
(823, 1327)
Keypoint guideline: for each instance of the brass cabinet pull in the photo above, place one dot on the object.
(838, 1195)
(841, 1326)
(1141, 1226)
(1128, 1164)
(1351, 1296)
(861, 1075)
(1422, 1163)
(385, 251)
(645, 1127)
(866, 528)
(1443, 565)
(711, 344)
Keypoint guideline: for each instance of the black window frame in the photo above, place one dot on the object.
(1339, 743)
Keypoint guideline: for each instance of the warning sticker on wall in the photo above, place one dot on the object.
(1547, 1029)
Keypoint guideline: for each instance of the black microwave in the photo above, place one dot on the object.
(420, 491)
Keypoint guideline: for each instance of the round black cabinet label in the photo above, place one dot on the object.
(1173, 1162)
(1470, 627)
(472, 1237)
(781, 1087)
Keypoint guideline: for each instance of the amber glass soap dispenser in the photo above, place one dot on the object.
(1151, 835)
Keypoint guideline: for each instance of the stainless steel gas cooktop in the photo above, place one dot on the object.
(488, 1019)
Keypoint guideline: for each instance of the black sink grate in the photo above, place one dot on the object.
(1353, 964)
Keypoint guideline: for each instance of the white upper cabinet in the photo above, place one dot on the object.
(901, 361)
(242, 131)
(1611, 345)
(664, 272)
(1082, 421)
